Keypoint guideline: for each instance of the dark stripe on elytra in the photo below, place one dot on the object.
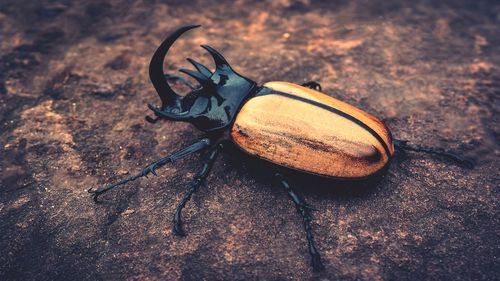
(317, 145)
(334, 110)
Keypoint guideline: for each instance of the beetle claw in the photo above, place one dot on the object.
(151, 169)
(178, 231)
(152, 120)
(155, 109)
(306, 207)
(316, 263)
(95, 194)
(310, 207)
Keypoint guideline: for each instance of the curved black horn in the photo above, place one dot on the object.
(167, 95)
(219, 60)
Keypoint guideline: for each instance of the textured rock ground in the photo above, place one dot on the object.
(74, 88)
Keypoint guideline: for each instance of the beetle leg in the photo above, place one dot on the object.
(304, 210)
(151, 168)
(199, 179)
(402, 144)
(313, 85)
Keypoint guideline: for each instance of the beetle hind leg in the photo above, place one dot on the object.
(199, 180)
(313, 85)
(305, 211)
(404, 145)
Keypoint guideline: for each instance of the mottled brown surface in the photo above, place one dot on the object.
(74, 88)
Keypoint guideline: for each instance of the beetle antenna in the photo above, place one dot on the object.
(404, 145)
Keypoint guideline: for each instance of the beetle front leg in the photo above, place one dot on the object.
(199, 179)
(151, 168)
(305, 211)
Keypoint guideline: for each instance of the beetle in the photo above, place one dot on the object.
(295, 127)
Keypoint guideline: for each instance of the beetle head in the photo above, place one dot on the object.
(214, 104)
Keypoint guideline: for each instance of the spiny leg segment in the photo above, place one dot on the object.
(199, 179)
(151, 168)
(304, 210)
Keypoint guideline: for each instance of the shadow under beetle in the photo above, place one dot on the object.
(295, 127)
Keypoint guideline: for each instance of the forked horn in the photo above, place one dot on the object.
(167, 95)
(219, 60)
(204, 81)
(200, 67)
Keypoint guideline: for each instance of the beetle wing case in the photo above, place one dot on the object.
(303, 129)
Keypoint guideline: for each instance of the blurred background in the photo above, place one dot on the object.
(73, 92)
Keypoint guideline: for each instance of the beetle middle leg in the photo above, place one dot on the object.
(151, 168)
(312, 84)
(199, 180)
(305, 211)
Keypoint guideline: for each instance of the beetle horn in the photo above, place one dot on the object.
(204, 81)
(167, 95)
(200, 67)
(219, 60)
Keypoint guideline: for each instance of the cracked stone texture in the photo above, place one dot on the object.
(73, 94)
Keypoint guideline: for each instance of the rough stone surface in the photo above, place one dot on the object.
(73, 95)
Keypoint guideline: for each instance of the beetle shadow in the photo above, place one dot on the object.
(307, 184)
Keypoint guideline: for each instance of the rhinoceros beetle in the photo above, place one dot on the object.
(295, 127)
